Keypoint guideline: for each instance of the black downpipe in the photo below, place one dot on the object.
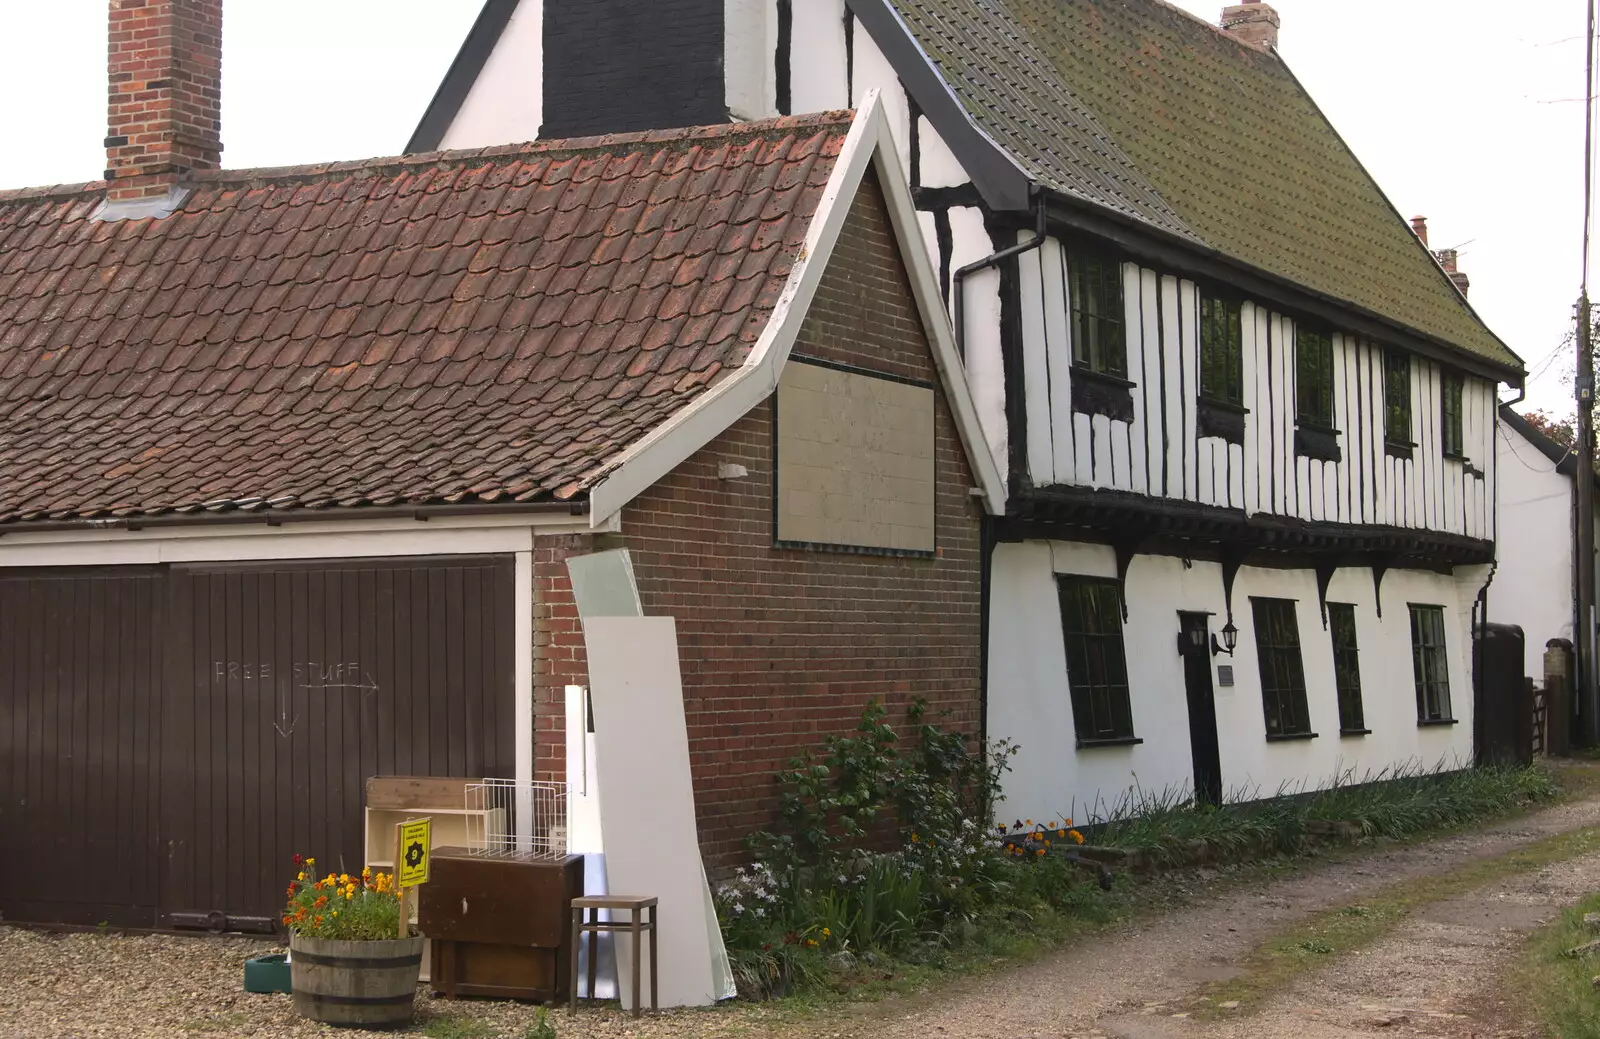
(992, 260)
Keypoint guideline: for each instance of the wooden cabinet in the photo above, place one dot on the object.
(500, 925)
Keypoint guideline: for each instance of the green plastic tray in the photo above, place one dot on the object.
(267, 974)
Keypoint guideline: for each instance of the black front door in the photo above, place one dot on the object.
(1194, 641)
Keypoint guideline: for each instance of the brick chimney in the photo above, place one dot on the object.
(1447, 260)
(165, 62)
(1419, 227)
(1253, 22)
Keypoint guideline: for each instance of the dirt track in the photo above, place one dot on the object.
(1437, 974)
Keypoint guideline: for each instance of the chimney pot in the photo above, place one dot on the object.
(164, 120)
(1419, 226)
(1252, 22)
(1448, 259)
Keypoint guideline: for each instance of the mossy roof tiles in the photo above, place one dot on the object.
(1141, 108)
(456, 327)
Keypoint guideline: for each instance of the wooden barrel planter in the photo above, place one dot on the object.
(356, 984)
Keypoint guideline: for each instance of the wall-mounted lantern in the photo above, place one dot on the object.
(1230, 639)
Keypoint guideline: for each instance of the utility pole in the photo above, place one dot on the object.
(1587, 688)
(1588, 698)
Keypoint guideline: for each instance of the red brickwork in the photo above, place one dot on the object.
(164, 59)
(782, 646)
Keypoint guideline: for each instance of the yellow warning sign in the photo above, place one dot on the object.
(416, 841)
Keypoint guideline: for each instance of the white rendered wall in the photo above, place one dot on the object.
(1030, 704)
(940, 167)
(748, 43)
(506, 104)
(981, 316)
(818, 75)
(1533, 585)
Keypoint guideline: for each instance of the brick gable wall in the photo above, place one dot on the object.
(780, 646)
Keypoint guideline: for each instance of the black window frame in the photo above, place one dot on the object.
(1097, 662)
(1430, 664)
(1347, 668)
(1452, 439)
(1313, 344)
(1282, 668)
(1097, 303)
(1221, 349)
(1397, 402)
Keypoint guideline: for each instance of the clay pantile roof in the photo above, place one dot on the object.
(1143, 109)
(482, 326)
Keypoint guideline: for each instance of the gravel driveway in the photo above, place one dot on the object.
(1435, 975)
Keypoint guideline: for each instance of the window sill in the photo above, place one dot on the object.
(1096, 393)
(1289, 737)
(1427, 722)
(1398, 449)
(1456, 456)
(1355, 732)
(1121, 741)
(1215, 418)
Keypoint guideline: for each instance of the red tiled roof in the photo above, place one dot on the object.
(455, 327)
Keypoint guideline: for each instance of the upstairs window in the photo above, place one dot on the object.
(1450, 415)
(1430, 665)
(1099, 341)
(1097, 668)
(1221, 351)
(1346, 668)
(1397, 400)
(1314, 378)
(1283, 676)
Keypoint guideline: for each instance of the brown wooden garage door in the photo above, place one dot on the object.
(170, 737)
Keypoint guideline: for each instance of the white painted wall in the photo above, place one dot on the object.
(506, 104)
(940, 167)
(748, 45)
(1533, 586)
(981, 318)
(1030, 702)
(818, 74)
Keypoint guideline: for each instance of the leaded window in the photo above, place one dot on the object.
(1346, 666)
(1397, 398)
(1099, 342)
(1283, 676)
(1314, 377)
(1450, 415)
(1221, 351)
(1097, 668)
(1429, 663)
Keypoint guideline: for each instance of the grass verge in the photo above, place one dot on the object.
(1342, 930)
(1167, 828)
(1560, 987)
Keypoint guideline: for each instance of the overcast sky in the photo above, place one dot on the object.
(1466, 111)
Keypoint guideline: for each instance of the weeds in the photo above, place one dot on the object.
(1391, 803)
(1558, 984)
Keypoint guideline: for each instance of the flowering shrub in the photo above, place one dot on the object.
(1022, 838)
(342, 906)
(878, 848)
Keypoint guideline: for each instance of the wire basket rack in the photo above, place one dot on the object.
(507, 817)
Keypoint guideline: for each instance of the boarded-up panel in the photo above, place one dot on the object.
(79, 703)
(299, 682)
(855, 459)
